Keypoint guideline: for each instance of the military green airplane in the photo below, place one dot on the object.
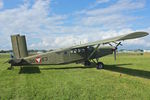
(83, 53)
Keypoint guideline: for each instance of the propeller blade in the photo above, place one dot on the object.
(115, 54)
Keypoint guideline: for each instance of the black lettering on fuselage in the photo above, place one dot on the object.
(32, 60)
(44, 59)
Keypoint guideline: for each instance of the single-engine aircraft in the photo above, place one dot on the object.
(83, 53)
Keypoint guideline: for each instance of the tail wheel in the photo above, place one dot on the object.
(100, 65)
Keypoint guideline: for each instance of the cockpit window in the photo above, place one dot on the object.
(73, 51)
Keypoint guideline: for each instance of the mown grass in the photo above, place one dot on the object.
(128, 78)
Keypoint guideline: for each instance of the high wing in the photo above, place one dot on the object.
(118, 38)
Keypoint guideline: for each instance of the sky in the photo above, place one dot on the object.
(51, 24)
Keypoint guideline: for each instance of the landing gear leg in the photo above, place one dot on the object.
(10, 68)
(97, 60)
(21, 67)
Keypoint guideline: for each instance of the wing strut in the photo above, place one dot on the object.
(116, 47)
(93, 51)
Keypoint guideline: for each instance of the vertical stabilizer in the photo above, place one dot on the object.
(19, 46)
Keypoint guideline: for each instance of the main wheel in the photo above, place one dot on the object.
(100, 65)
(87, 63)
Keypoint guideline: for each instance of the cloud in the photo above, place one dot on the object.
(46, 30)
(114, 16)
(98, 2)
(60, 42)
(1, 4)
(119, 6)
(32, 21)
(29, 20)
(102, 1)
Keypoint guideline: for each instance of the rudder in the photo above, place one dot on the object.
(19, 46)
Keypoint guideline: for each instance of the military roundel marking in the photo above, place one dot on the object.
(38, 59)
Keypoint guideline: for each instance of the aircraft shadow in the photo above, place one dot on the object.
(79, 67)
(129, 71)
(74, 67)
(114, 68)
(29, 70)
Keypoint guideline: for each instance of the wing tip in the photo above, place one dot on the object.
(143, 33)
(146, 33)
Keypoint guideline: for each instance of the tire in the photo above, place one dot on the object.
(100, 65)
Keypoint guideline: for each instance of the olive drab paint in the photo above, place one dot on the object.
(19, 46)
(79, 53)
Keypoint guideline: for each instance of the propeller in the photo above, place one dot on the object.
(115, 50)
(115, 54)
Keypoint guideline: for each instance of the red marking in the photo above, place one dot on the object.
(38, 60)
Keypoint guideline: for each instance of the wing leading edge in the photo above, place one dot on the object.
(114, 39)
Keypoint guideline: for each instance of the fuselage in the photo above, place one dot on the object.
(67, 56)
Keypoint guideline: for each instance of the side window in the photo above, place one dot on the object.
(74, 51)
(71, 51)
(65, 52)
(82, 50)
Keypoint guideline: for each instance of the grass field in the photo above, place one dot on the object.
(128, 78)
